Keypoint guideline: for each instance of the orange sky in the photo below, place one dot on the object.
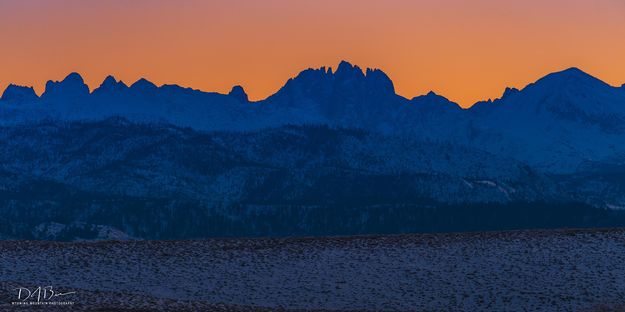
(466, 50)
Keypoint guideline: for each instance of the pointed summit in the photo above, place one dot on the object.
(509, 91)
(143, 85)
(109, 81)
(72, 86)
(346, 71)
(110, 84)
(378, 80)
(238, 93)
(344, 65)
(348, 76)
(18, 94)
(434, 102)
(572, 71)
(571, 77)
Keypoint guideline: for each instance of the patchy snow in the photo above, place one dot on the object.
(58, 231)
(565, 270)
(615, 207)
(486, 182)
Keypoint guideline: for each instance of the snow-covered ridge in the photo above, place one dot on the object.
(557, 123)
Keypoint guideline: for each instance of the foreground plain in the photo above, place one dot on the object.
(563, 270)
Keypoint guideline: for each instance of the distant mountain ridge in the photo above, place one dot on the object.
(557, 123)
(376, 78)
(146, 160)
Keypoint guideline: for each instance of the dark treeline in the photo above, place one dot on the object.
(171, 219)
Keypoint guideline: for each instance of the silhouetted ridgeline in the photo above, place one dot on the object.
(331, 153)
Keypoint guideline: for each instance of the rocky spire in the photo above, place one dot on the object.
(238, 93)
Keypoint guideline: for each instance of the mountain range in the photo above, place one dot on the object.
(332, 152)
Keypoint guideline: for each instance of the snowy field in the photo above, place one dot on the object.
(569, 270)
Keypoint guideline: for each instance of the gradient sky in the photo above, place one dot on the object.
(466, 50)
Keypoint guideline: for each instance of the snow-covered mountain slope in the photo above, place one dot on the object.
(142, 102)
(327, 140)
(555, 124)
(147, 180)
(18, 95)
(348, 97)
(118, 157)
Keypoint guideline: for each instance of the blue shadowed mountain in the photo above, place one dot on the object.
(143, 86)
(329, 143)
(568, 107)
(238, 93)
(15, 94)
(548, 123)
(349, 97)
(557, 123)
(110, 86)
(73, 86)
(572, 95)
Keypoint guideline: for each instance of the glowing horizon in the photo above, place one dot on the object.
(467, 51)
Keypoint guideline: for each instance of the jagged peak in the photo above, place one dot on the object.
(346, 70)
(110, 84)
(109, 80)
(13, 86)
(72, 83)
(375, 72)
(482, 106)
(323, 81)
(326, 70)
(307, 76)
(345, 65)
(377, 79)
(509, 91)
(239, 93)
(17, 93)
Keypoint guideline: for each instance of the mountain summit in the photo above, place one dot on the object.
(571, 78)
(570, 95)
(72, 86)
(238, 93)
(110, 86)
(18, 94)
(143, 85)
